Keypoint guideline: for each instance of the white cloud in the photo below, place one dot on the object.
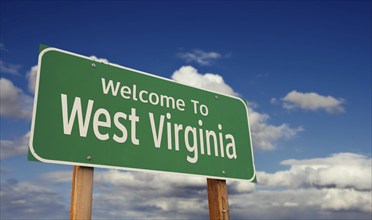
(140, 195)
(59, 176)
(132, 180)
(14, 148)
(239, 187)
(200, 57)
(171, 196)
(161, 182)
(334, 187)
(309, 203)
(26, 200)
(342, 170)
(346, 199)
(11, 69)
(31, 76)
(103, 60)
(312, 101)
(264, 134)
(188, 75)
(14, 103)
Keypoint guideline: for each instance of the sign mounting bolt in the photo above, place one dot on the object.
(89, 157)
(93, 65)
(216, 96)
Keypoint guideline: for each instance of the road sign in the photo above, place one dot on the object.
(92, 113)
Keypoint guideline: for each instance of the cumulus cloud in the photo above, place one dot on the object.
(200, 57)
(346, 199)
(9, 68)
(309, 203)
(25, 200)
(264, 134)
(312, 101)
(188, 75)
(14, 102)
(149, 195)
(14, 148)
(339, 184)
(342, 170)
(58, 176)
(161, 182)
(103, 60)
(240, 187)
(31, 76)
(140, 195)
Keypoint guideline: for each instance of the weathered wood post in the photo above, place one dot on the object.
(81, 196)
(218, 199)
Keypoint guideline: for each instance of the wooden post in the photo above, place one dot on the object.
(218, 200)
(81, 197)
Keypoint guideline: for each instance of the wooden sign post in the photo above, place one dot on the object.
(81, 196)
(218, 200)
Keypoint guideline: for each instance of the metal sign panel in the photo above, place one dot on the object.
(91, 113)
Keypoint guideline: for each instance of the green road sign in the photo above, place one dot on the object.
(90, 113)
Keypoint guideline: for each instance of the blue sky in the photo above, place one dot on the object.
(304, 67)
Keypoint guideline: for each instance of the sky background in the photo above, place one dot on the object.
(303, 66)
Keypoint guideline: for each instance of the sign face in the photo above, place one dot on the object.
(90, 113)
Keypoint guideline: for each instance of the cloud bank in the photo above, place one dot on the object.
(308, 188)
(341, 170)
(338, 183)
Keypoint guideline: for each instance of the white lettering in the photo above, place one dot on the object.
(221, 141)
(169, 133)
(121, 127)
(110, 86)
(177, 129)
(157, 136)
(141, 96)
(105, 123)
(125, 90)
(195, 106)
(156, 101)
(213, 135)
(231, 146)
(134, 119)
(68, 123)
(194, 147)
